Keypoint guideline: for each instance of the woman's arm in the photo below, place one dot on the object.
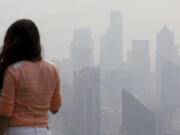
(56, 101)
(4, 124)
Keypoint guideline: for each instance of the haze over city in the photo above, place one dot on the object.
(142, 20)
(119, 62)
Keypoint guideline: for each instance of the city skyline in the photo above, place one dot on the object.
(124, 56)
(92, 92)
(141, 22)
(119, 63)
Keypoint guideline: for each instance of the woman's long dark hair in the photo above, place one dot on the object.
(21, 42)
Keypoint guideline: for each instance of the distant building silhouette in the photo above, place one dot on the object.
(87, 102)
(112, 43)
(82, 49)
(170, 94)
(139, 57)
(139, 63)
(166, 51)
(170, 85)
(137, 119)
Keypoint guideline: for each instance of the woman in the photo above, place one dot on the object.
(30, 85)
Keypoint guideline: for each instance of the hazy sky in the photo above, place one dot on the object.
(56, 20)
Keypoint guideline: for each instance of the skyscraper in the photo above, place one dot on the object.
(87, 102)
(139, 64)
(137, 119)
(170, 87)
(138, 57)
(82, 49)
(166, 51)
(111, 43)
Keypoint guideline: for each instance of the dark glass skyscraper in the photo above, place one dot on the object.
(137, 119)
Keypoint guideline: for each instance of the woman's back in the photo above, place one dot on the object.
(30, 90)
(29, 85)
